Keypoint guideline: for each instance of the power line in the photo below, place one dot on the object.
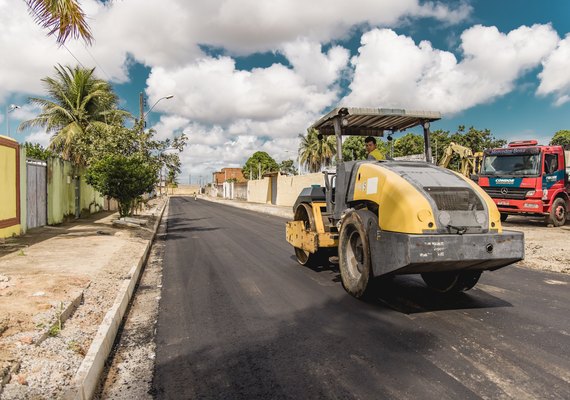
(73, 55)
(99, 65)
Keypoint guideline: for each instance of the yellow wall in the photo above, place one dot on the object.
(289, 187)
(259, 191)
(7, 183)
(184, 189)
(8, 187)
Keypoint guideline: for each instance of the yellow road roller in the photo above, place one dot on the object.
(394, 217)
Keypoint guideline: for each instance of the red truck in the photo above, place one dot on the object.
(527, 178)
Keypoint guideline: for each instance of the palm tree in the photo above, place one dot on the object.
(315, 152)
(79, 104)
(64, 17)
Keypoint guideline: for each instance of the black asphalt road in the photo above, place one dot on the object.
(240, 319)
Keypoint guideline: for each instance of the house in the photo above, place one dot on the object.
(226, 174)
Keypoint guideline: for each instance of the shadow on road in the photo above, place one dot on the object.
(409, 295)
(180, 225)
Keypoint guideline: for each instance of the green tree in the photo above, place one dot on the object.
(37, 151)
(62, 17)
(78, 102)
(260, 161)
(476, 139)
(317, 151)
(287, 167)
(409, 144)
(122, 177)
(561, 138)
(353, 148)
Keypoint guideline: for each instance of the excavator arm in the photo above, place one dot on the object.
(469, 162)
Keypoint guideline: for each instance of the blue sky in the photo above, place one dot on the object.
(244, 80)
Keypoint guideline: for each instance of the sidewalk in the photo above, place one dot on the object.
(50, 274)
(278, 211)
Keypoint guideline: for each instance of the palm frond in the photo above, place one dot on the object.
(62, 17)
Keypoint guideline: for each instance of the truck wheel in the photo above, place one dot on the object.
(504, 217)
(558, 213)
(304, 213)
(451, 282)
(354, 253)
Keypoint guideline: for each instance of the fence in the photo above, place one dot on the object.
(36, 193)
(33, 193)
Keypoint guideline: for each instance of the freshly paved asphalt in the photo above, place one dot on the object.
(240, 319)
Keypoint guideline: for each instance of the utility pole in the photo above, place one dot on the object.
(141, 106)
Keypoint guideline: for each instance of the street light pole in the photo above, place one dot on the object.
(141, 104)
(9, 109)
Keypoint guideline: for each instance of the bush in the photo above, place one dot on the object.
(122, 177)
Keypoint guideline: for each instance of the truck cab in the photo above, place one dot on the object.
(527, 178)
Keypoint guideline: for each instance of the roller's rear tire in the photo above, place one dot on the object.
(354, 253)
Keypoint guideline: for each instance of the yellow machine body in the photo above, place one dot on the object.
(300, 236)
(403, 208)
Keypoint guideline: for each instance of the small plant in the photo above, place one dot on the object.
(54, 330)
(21, 253)
(76, 348)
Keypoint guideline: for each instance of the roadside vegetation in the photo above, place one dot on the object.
(316, 152)
(88, 129)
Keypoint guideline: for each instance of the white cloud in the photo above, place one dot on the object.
(392, 71)
(169, 33)
(554, 78)
(231, 113)
(213, 91)
(40, 137)
(244, 26)
(312, 65)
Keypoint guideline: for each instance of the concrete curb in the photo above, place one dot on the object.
(62, 317)
(86, 380)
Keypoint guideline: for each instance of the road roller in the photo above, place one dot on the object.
(394, 217)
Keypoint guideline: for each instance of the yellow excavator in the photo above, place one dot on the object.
(470, 163)
(389, 217)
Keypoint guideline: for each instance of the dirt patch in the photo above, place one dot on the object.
(546, 248)
(40, 275)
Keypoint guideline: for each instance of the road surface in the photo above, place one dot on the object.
(240, 319)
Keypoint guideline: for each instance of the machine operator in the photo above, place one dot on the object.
(373, 152)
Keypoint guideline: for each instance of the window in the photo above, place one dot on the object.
(550, 163)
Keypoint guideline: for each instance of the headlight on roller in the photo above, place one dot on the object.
(480, 217)
(444, 218)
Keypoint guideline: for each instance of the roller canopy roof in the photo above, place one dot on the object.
(373, 121)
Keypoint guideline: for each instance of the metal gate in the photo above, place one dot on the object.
(274, 189)
(36, 196)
